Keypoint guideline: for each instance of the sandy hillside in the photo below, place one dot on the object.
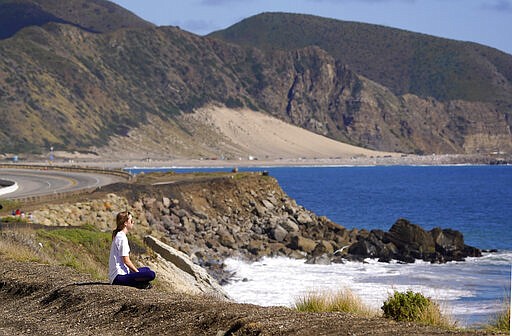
(227, 134)
(261, 135)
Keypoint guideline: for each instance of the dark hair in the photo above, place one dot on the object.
(121, 220)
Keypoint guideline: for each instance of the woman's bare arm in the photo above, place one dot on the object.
(127, 261)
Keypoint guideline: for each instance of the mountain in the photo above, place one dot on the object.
(403, 61)
(91, 15)
(80, 75)
(452, 96)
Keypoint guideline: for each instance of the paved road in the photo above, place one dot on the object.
(43, 182)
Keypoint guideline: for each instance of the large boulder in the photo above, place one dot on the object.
(302, 244)
(407, 242)
(410, 240)
(278, 233)
(304, 218)
(363, 248)
(289, 225)
(179, 272)
(447, 241)
(374, 245)
(450, 245)
(323, 247)
(226, 238)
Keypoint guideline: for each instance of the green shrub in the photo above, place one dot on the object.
(410, 306)
(234, 103)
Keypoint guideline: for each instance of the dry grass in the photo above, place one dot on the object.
(341, 301)
(501, 322)
(20, 245)
(85, 249)
(432, 315)
(15, 251)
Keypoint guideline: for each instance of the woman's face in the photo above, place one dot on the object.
(129, 222)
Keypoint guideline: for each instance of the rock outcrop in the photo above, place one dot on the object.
(240, 215)
(407, 242)
(248, 216)
(184, 276)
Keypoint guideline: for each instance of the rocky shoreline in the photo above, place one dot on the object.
(407, 242)
(201, 219)
(248, 216)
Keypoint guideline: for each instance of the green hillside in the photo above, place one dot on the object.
(75, 74)
(403, 61)
(91, 15)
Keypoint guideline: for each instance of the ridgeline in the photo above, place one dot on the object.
(75, 75)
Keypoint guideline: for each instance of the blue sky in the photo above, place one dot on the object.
(488, 22)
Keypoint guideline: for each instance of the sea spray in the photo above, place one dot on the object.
(471, 291)
(476, 200)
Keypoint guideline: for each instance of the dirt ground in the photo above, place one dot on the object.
(38, 299)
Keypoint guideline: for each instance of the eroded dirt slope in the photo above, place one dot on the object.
(46, 300)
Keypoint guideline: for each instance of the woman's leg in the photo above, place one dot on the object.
(136, 279)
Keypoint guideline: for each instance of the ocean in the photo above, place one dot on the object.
(476, 200)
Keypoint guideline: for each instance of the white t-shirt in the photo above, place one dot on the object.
(118, 250)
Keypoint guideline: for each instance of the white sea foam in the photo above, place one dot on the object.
(469, 291)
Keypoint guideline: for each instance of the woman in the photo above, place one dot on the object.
(121, 269)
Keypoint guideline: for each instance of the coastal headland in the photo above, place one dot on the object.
(89, 85)
(207, 217)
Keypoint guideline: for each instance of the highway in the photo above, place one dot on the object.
(33, 182)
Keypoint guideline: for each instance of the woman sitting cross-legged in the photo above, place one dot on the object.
(121, 269)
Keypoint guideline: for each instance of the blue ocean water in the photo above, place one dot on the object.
(476, 200)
